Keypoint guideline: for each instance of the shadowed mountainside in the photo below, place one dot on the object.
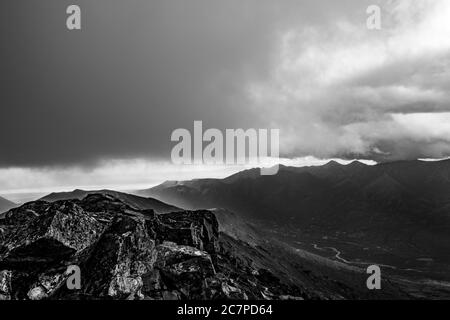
(126, 253)
(409, 197)
(393, 213)
(5, 205)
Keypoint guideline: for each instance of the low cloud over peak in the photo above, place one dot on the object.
(339, 89)
(139, 70)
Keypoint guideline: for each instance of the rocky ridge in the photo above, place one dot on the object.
(124, 253)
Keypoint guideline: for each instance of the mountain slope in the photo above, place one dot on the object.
(133, 200)
(5, 205)
(126, 253)
(416, 191)
(394, 213)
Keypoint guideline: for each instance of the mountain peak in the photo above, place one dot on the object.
(332, 164)
(169, 183)
(357, 164)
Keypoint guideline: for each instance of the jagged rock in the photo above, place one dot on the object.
(179, 271)
(105, 203)
(4, 231)
(122, 252)
(5, 285)
(222, 287)
(47, 283)
(25, 213)
(61, 230)
(122, 255)
(197, 229)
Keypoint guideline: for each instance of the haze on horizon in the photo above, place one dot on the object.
(96, 108)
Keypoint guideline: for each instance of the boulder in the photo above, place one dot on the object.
(122, 253)
(116, 264)
(48, 283)
(58, 232)
(198, 229)
(179, 272)
(5, 284)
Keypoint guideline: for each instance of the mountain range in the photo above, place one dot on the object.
(333, 195)
(397, 214)
(129, 253)
(304, 233)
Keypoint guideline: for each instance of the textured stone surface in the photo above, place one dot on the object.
(122, 255)
(5, 285)
(191, 228)
(179, 271)
(122, 252)
(55, 233)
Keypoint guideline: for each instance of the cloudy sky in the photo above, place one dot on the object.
(97, 107)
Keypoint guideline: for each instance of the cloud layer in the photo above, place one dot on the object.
(140, 69)
(339, 89)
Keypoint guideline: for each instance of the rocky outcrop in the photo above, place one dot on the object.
(197, 229)
(122, 253)
(179, 273)
(5, 285)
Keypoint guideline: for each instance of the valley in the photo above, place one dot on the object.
(419, 276)
(314, 230)
(395, 215)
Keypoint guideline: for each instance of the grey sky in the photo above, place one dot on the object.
(139, 69)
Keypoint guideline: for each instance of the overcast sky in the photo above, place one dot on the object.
(96, 107)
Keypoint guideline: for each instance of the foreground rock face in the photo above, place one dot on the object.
(122, 253)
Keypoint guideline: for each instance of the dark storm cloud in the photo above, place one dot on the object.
(139, 69)
(136, 71)
(117, 88)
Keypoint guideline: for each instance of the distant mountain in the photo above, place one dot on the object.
(5, 205)
(402, 206)
(231, 257)
(133, 200)
(419, 189)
